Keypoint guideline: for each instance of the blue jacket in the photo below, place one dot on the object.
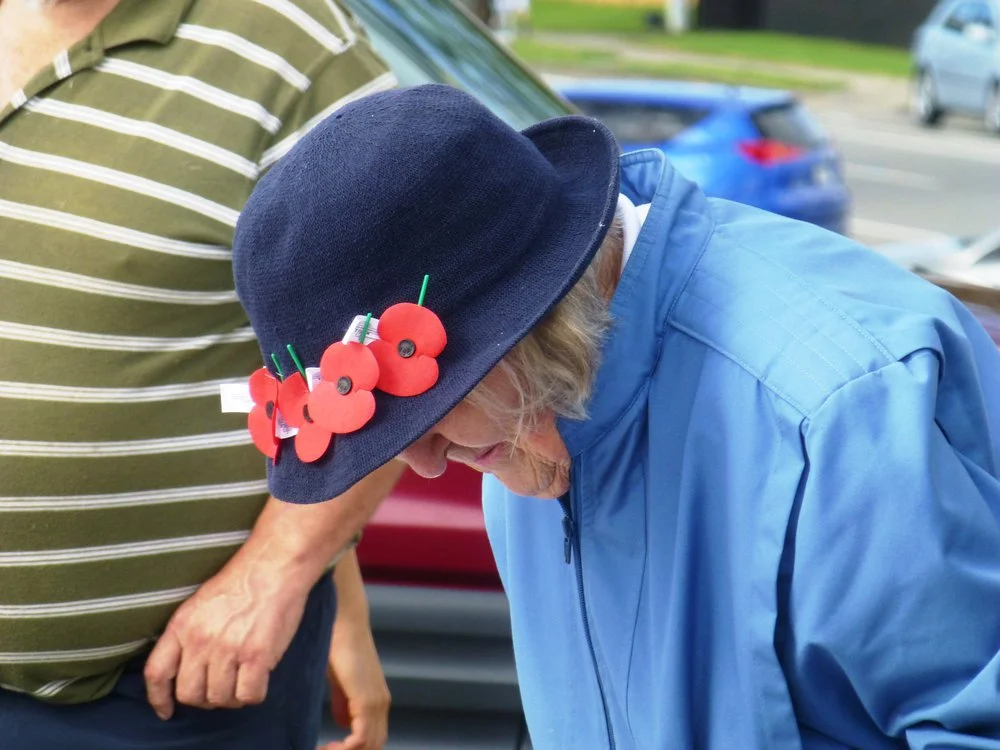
(785, 513)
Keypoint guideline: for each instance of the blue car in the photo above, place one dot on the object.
(956, 63)
(754, 146)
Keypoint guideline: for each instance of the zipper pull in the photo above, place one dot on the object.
(568, 534)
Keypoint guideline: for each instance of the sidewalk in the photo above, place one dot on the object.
(863, 94)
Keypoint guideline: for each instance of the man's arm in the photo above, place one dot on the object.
(222, 644)
(893, 607)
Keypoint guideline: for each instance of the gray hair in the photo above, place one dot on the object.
(552, 369)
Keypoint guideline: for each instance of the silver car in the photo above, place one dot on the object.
(956, 57)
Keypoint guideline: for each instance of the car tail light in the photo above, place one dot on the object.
(767, 152)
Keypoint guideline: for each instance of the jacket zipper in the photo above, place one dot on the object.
(572, 539)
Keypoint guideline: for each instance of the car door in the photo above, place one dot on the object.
(978, 54)
(946, 63)
(970, 31)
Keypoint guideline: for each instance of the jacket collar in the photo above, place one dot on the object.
(672, 238)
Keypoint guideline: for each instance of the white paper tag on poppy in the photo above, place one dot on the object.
(282, 429)
(313, 376)
(236, 398)
(354, 330)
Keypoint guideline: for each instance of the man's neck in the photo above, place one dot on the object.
(33, 32)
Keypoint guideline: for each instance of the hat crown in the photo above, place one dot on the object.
(394, 186)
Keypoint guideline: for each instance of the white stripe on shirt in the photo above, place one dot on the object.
(245, 49)
(64, 280)
(157, 446)
(35, 558)
(112, 343)
(81, 654)
(307, 23)
(95, 606)
(132, 499)
(111, 232)
(123, 180)
(148, 130)
(192, 87)
(81, 395)
(62, 66)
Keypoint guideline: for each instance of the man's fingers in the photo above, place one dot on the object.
(221, 689)
(251, 682)
(192, 680)
(160, 670)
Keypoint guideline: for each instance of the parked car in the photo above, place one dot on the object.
(956, 63)
(755, 146)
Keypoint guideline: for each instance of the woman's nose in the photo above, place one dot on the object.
(427, 457)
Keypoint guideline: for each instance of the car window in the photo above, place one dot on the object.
(964, 14)
(790, 124)
(434, 41)
(640, 123)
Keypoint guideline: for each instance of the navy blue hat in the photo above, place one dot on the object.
(401, 184)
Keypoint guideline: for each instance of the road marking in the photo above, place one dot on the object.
(882, 231)
(939, 145)
(887, 176)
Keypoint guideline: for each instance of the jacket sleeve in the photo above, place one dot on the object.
(893, 598)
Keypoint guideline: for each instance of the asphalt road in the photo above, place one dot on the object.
(909, 182)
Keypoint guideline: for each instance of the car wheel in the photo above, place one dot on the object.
(925, 105)
(992, 115)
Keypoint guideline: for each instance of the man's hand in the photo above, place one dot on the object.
(222, 644)
(359, 696)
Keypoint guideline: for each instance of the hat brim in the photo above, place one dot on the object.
(585, 155)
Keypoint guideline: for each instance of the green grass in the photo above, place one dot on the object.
(556, 57)
(629, 23)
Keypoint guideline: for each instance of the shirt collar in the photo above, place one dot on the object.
(143, 20)
(632, 218)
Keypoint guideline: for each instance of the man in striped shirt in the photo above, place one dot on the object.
(131, 510)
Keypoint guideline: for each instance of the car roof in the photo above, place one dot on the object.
(675, 92)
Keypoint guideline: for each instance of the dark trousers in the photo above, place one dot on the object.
(288, 719)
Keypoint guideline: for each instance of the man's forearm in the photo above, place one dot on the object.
(302, 540)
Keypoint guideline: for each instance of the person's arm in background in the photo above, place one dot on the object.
(359, 696)
(221, 645)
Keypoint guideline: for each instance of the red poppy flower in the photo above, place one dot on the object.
(312, 440)
(342, 401)
(264, 414)
(409, 339)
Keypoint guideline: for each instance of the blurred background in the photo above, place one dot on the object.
(877, 119)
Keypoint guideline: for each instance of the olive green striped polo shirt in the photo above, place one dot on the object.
(123, 167)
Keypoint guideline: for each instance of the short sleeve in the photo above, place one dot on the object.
(338, 78)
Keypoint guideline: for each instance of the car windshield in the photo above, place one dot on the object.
(640, 123)
(434, 41)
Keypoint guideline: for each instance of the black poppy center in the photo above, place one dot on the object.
(269, 409)
(305, 413)
(344, 385)
(406, 349)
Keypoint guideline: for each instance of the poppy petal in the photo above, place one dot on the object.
(418, 324)
(399, 376)
(262, 431)
(293, 395)
(263, 387)
(338, 413)
(352, 360)
(312, 442)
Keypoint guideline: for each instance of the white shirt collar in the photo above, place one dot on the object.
(632, 217)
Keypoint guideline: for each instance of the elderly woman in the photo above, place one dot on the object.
(741, 473)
